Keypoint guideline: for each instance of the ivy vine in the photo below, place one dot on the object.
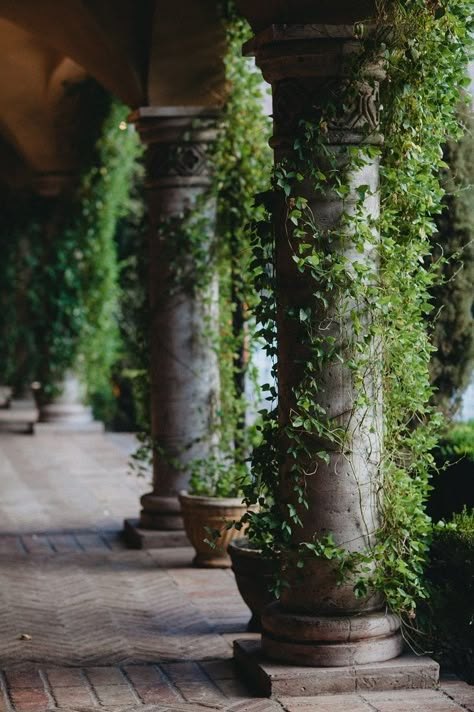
(65, 250)
(240, 168)
(105, 197)
(200, 245)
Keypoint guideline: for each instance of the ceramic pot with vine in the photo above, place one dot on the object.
(254, 573)
(203, 516)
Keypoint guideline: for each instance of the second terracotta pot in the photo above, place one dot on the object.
(254, 574)
(201, 516)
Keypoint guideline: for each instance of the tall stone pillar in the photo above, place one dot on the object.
(184, 371)
(318, 623)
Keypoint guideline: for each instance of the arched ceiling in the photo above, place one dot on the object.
(34, 102)
(105, 43)
(14, 171)
(145, 52)
(187, 47)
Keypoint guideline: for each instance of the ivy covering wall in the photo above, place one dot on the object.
(63, 312)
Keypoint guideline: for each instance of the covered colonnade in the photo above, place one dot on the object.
(165, 61)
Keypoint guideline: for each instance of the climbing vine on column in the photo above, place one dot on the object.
(197, 249)
(105, 197)
(242, 158)
(383, 303)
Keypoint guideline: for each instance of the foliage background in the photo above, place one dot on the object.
(60, 294)
(452, 361)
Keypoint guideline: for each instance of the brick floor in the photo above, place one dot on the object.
(87, 625)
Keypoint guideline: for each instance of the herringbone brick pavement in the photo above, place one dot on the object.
(87, 625)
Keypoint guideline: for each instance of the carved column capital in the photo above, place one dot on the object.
(310, 68)
(178, 142)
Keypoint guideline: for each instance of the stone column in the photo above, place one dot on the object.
(66, 412)
(184, 371)
(316, 621)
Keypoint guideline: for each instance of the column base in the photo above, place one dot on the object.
(24, 404)
(329, 641)
(160, 513)
(67, 418)
(17, 422)
(273, 679)
(137, 537)
(20, 416)
(5, 396)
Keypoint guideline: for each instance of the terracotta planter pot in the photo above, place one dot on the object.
(203, 513)
(253, 574)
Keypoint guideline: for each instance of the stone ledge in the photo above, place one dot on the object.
(136, 537)
(270, 679)
(20, 419)
(68, 428)
(94, 426)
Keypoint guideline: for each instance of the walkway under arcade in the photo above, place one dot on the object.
(87, 621)
(86, 624)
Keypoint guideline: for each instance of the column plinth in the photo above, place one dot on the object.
(66, 413)
(184, 372)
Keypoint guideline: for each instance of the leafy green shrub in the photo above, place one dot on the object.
(459, 442)
(450, 618)
(104, 198)
(15, 338)
(130, 373)
(61, 312)
(216, 477)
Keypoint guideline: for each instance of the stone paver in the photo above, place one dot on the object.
(326, 703)
(86, 625)
(460, 692)
(411, 701)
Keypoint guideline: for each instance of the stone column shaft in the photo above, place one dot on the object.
(184, 371)
(308, 67)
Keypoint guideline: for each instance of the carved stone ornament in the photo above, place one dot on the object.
(310, 70)
(297, 99)
(178, 141)
(177, 159)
